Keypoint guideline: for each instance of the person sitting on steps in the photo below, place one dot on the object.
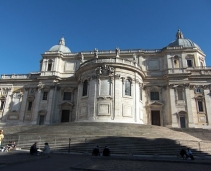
(183, 154)
(106, 151)
(96, 151)
(34, 149)
(46, 149)
(189, 154)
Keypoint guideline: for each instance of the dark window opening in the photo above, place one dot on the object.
(85, 88)
(67, 96)
(200, 106)
(29, 106)
(49, 67)
(189, 63)
(45, 95)
(2, 105)
(154, 95)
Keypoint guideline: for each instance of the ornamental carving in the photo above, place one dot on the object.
(104, 98)
(104, 70)
(206, 87)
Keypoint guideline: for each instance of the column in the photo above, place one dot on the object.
(36, 106)
(7, 102)
(117, 96)
(173, 108)
(50, 104)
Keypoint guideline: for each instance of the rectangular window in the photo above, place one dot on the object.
(189, 63)
(180, 94)
(45, 95)
(127, 88)
(29, 106)
(49, 67)
(140, 93)
(67, 96)
(2, 105)
(154, 95)
(85, 88)
(200, 106)
(198, 90)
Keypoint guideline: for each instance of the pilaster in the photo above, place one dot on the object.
(23, 105)
(173, 108)
(207, 104)
(37, 105)
(189, 107)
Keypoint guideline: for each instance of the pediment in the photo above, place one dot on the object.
(42, 112)
(156, 103)
(182, 112)
(66, 103)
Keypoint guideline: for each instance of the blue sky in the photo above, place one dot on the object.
(28, 28)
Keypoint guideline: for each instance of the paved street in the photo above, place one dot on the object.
(14, 161)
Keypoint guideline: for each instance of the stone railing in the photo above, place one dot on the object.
(200, 70)
(111, 60)
(123, 51)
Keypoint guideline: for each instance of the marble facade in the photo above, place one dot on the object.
(167, 87)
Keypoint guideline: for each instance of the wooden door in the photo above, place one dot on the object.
(41, 120)
(182, 122)
(65, 115)
(155, 116)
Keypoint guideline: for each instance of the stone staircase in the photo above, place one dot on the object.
(122, 139)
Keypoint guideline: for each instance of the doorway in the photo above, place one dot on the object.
(41, 120)
(182, 122)
(155, 116)
(65, 116)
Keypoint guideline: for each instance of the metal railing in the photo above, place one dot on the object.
(118, 146)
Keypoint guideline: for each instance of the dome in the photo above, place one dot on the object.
(182, 42)
(60, 47)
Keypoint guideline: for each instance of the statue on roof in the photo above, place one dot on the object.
(134, 57)
(62, 41)
(179, 35)
(96, 53)
(117, 52)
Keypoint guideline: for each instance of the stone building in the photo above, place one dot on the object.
(168, 87)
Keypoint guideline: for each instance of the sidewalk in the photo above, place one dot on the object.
(22, 160)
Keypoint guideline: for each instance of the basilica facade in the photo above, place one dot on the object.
(167, 87)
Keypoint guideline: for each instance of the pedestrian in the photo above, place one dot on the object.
(1, 136)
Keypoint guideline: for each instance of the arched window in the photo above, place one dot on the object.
(85, 88)
(127, 87)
